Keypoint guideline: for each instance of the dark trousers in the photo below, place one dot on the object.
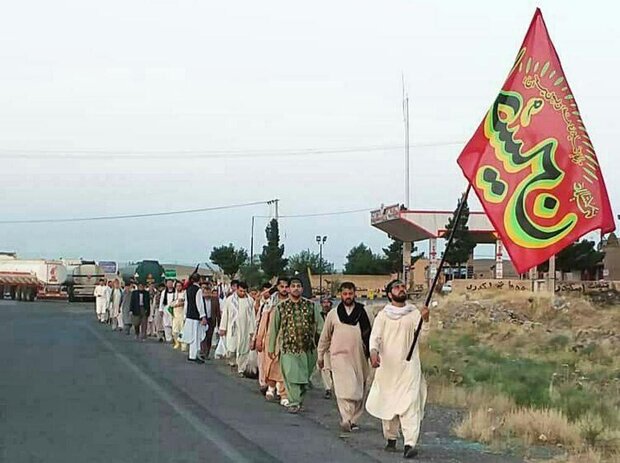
(140, 324)
(205, 345)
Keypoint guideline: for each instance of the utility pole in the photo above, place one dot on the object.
(275, 202)
(321, 241)
(406, 245)
(269, 203)
(252, 242)
(406, 121)
(551, 279)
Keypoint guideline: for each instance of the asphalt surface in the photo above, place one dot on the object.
(71, 390)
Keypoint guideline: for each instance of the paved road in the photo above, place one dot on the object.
(71, 390)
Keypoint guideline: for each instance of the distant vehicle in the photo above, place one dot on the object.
(22, 286)
(50, 274)
(82, 281)
(145, 272)
(447, 287)
(109, 269)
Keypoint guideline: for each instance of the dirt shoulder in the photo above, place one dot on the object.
(438, 444)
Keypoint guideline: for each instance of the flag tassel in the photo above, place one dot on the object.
(429, 296)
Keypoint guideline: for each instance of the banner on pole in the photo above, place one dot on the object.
(531, 161)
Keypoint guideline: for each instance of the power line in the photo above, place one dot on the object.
(134, 216)
(318, 214)
(185, 211)
(95, 154)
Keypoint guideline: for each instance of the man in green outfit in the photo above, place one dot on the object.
(294, 325)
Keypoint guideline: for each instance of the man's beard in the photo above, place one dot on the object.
(284, 294)
(401, 297)
(348, 301)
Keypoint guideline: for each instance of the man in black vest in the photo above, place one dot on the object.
(212, 310)
(195, 328)
(140, 309)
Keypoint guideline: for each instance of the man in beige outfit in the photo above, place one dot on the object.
(271, 366)
(398, 393)
(326, 368)
(345, 338)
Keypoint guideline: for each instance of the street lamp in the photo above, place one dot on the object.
(321, 241)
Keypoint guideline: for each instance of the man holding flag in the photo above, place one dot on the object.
(398, 393)
(531, 161)
(534, 169)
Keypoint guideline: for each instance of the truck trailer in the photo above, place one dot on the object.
(50, 274)
(21, 286)
(145, 272)
(82, 281)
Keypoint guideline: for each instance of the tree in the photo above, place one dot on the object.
(300, 263)
(272, 262)
(229, 259)
(394, 256)
(580, 256)
(252, 274)
(362, 261)
(463, 243)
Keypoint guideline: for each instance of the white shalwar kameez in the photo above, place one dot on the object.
(107, 294)
(239, 321)
(167, 310)
(193, 332)
(101, 303)
(398, 392)
(116, 315)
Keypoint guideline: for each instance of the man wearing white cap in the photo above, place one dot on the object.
(398, 393)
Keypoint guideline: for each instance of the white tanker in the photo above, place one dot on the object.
(82, 279)
(52, 274)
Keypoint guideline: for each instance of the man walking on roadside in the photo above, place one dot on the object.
(238, 326)
(166, 300)
(126, 307)
(195, 328)
(212, 309)
(345, 339)
(101, 303)
(294, 326)
(116, 296)
(260, 303)
(107, 292)
(271, 365)
(326, 367)
(140, 310)
(398, 393)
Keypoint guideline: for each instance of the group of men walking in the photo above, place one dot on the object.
(286, 337)
(346, 344)
(171, 313)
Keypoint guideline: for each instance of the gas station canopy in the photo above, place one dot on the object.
(412, 226)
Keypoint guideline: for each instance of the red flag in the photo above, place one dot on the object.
(531, 162)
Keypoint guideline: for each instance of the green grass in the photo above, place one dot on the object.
(567, 361)
(540, 383)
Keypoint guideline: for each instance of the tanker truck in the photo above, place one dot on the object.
(51, 276)
(145, 272)
(22, 286)
(82, 280)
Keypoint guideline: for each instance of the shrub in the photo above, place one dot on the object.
(559, 341)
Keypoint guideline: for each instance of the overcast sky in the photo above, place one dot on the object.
(248, 88)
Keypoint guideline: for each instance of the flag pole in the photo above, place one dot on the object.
(429, 296)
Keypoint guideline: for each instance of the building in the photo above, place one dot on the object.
(414, 226)
(611, 261)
